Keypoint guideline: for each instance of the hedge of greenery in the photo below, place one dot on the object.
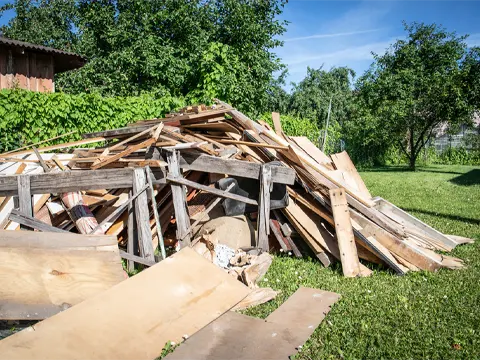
(27, 117)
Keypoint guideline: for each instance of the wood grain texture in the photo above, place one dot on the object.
(143, 215)
(344, 233)
(136, 318)
(343, 162)
(45, 273)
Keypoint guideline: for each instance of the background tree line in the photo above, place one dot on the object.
(200, 49)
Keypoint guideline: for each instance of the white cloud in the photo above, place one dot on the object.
(473, 40)
(324, 36)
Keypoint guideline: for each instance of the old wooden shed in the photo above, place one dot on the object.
(29, 66)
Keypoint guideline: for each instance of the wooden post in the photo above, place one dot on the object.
(155, 214)
(344, 233)
(24, 198)
(179, 201)
(132, 233)
(143, 215)
(263, 217)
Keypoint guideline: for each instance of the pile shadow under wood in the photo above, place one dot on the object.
(165, 183)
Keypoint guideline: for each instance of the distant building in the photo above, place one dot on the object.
(29, 66)
(443, 140)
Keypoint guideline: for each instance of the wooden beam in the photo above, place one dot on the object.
(61, 146)
(155, 214)
(42, 162)
(24, 197)
(249, 143)
(206, 163)
(31, 222)
(277, 125)
(212, 190)
(344, 233)
(179, 200)
(143, 215)
(77, 181)
(137, 259)
(38, 143)
(132, 233)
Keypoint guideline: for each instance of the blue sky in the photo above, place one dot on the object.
(344, 33)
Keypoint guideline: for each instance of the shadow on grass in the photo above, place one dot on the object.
(407, 169)
(467, 179)
(445, 216)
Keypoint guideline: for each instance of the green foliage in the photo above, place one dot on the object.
(418, 84)
(27, 117)
(456, 156)
(221, 47)
(418, 316)
(295, 126)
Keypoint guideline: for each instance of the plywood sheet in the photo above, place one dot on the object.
(134, 319)
(44, 273)
(240, 337)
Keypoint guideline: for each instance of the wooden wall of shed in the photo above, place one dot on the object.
(27, 70)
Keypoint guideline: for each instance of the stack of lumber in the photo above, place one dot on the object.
(152, 184)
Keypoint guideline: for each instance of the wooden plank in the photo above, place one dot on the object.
(249, 143)
(143, 215)
(137, 259)
(211, 190)
(77, 181)
(137, 317)
(44, 273)
(344, 233)
(132, 233)
(343, 162)
(31, 222)
(155, 214)
(240, 337)
(206, 163)
(179, 201)
(394, 244)
(216, 126)
(277, 125)
(38, 143)
(42, 162)
(126, 152)
(311, 149)
(24, 197)
(409, 221)
(61, 146)
(263, 217)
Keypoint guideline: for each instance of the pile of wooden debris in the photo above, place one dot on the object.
(205, 178)
(166, 182)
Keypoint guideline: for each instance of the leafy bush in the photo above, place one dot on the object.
(295, 126)
(27, 117)
(457, 156)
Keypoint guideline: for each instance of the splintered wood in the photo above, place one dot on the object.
(146, 184)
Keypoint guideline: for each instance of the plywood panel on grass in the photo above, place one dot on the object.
(134, 319)
(43, 273)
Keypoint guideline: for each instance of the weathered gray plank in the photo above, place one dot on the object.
(31, 222)
(207, 163)
(76, 181)
(132, 233)
(130, 130)
(143, 215)
(263, 228)
(155, 214)
(212, 190)
(179, 201)
(133, 258)
(24, 197)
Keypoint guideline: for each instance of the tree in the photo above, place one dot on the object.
(419, 84)
(174, 46)
(311, 97)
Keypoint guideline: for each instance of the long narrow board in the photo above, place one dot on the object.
(44, 273)
(344, 233)
(343, 162)
(136, 318)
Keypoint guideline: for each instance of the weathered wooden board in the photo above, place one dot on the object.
(77, 181)
(136, 318)
(236, 336)
(206, 163)
(344, 233)
(343, 162)
(44, 273)
(409, 221)
(308, 147)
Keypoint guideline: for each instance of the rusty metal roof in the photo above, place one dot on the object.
(64, 60)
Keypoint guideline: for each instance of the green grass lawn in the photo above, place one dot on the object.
(420, 315)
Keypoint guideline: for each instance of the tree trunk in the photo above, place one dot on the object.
(412, 155)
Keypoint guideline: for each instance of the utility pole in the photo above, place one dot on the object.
(326, 126)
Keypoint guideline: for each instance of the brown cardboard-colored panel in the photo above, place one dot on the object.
(44, 273)
(134, 319)
(240, 337)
